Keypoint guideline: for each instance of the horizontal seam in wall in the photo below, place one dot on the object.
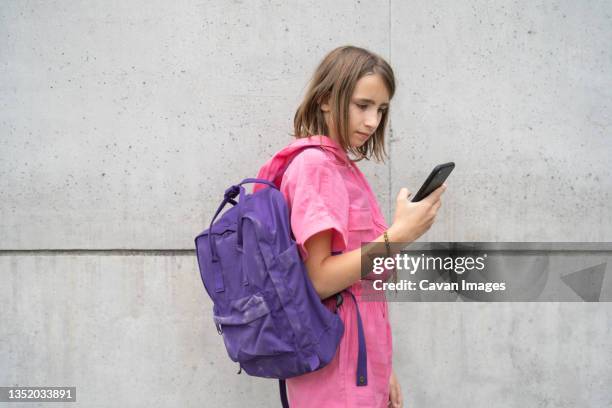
(191, 252)
(98, 252)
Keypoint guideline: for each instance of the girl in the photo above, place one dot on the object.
(333, 211)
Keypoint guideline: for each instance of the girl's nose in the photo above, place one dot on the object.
(372, 120)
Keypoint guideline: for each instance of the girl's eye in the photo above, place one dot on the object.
(365, 107)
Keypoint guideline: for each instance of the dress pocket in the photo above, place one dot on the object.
(360, 226)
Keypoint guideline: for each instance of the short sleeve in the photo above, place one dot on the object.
(317, 198)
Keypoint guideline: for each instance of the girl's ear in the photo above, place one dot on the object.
(324, 106)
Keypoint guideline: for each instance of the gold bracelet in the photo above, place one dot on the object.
(387, 245)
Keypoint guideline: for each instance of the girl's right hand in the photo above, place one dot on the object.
(414, 219)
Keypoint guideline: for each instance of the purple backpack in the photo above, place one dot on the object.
(271, 318)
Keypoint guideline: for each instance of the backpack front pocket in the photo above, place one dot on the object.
(249, 329)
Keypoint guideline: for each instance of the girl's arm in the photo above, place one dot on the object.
(331, 274)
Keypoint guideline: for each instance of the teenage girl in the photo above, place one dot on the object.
(333, 211)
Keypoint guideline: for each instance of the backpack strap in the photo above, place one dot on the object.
(258, 181)
(282, 388)
(278, 177)
(242, 193)
(362, 354)
(229, 196)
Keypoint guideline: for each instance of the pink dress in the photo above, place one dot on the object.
(324, 191)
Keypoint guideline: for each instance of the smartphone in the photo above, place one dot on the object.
(435, 179)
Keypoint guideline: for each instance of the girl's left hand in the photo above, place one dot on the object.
(396, 400)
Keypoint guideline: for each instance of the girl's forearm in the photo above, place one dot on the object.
(338, 272)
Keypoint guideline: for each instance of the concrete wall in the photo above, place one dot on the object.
(121, 124)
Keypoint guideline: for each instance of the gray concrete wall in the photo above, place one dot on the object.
(122, 123)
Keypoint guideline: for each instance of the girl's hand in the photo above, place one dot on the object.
(396, 400)
(414, 219)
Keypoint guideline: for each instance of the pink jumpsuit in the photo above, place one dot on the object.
(324, 190)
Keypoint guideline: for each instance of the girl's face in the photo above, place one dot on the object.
(368, 102)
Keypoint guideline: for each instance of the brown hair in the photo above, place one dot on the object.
(335, 78)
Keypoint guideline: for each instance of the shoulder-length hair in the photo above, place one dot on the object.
(334, 80)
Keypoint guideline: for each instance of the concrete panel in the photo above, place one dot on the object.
(131, 331)
(503, 354)
(519, 95)
(120, 127)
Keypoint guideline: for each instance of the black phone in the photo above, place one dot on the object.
(435, 179)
